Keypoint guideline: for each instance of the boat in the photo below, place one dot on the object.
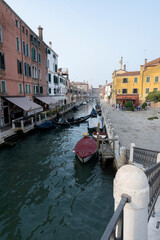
(102, 135)
(93, 123)
(93, 113)
(70, 121)
(85, 148)
(45, 125)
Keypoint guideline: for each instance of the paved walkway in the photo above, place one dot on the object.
(134, 127)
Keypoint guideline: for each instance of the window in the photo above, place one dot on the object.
(39, 57)
(55, 91)
(155, 89)
(119, 91)
(156, 79)
(2, 61)
(20, 88)
(147, 90)
(41, 89)
(55, 67)
(27, 50)
(34, 54)
(16, 23)
(18, 44)
(35, 89)
(135, 90)
(26, 32)
(49, 90)
(24, 48)
(1, 39)
(147, 79)
(3, 86)
(27, 88)
(34, 72)
(49, 77)
(125, 80)
(22, 28)
(19, 67)
(135, 80)
(124, 90)
(55, 79)
(40, 76)
(25, 69)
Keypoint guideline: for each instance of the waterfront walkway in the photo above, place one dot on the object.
(134, 127)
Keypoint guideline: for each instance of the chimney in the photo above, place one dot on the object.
(40, 29)
(145, 61)
(50, 44)
(124, 67)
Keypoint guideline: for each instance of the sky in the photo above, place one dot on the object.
(91, 36)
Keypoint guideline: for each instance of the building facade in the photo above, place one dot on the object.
(134, 86)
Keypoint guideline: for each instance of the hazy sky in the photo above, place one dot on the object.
(90, 36)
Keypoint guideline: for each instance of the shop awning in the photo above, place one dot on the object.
(26, 104)
(47, 100)
(58, 98)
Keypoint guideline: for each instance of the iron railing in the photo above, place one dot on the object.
(145, 157)
(114, 229)
(153, 175)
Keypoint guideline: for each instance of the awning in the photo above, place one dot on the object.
(26, 104)
(47, 100)
(58, 98)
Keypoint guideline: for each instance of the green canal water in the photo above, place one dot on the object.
(46, 193)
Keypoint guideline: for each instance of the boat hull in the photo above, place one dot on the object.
(86, 159)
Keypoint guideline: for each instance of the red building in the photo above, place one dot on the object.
(23, 67)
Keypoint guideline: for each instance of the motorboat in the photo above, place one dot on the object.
(85, 148)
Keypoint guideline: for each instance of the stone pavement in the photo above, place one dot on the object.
(134, 127)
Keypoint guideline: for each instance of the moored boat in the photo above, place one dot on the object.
(93, 123)
(85, 148)
(71, 121)
(45, 125)
(102, 135)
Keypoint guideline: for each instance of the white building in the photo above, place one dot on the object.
(52, 77)
(108, 91)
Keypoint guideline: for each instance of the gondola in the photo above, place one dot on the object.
(70, 121)
(45, 125)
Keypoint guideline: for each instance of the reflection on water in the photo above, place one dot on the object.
(46, 193)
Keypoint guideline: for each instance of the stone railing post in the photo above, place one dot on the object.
(122, 156)
(132, 181)
(116, 145)
(13, 124)
(22, 124)
(39, 117)
(131, 152)
(32, 121)
(45, 115)
(158, 158)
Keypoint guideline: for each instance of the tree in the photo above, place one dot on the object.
(154, 96)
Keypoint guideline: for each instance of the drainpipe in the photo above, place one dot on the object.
(22, 57)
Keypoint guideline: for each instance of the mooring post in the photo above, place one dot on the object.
(132, 181)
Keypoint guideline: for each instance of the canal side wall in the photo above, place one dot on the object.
(119, 152)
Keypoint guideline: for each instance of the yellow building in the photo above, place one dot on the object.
(134, 86)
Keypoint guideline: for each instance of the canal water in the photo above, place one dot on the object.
(46, 193)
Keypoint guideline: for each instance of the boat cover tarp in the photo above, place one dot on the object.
(85, 147)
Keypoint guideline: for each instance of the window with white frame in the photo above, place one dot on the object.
(35, 89)
(34, 72)
(18, 44)
(155, 89)
(1, 38)
(3, 86)
(147, 79)
(147, 90)
(49, 90)
(156, 79)
(20, 88)
(136, 80)
(34, 54)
